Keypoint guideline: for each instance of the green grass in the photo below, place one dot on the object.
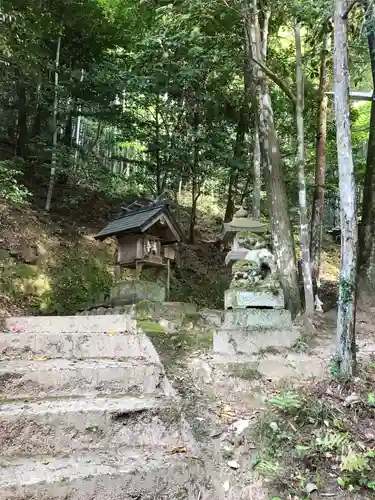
(245, 371)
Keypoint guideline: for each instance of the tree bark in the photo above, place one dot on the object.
(54, 126)
(21, 119)
(346, 352)
(257, 161)
(229, 210)
(257, 156)
(238, 150)
(305, 250)
(316, 234)
(282, 235)
(195, 183)
(367, 226)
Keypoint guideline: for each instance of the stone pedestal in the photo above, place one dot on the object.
(130, 292)
(237, 343)
(241, 299)
(251, 319)
(248, 331)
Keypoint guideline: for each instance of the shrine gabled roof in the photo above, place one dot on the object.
(138, 221)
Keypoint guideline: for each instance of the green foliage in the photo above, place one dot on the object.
(302, 441)
(189, 286)
(246, 371)
(10, 187)
(269, 469)
(331, 441)
(347, 289)
(355, 471)
(335, 366)
(75, 280)
(288, 402)
(301, 345)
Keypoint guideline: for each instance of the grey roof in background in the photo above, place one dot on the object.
(135, 221)
(129, 223)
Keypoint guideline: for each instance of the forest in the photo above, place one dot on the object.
(242, 102)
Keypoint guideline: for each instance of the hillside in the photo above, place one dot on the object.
(51, 263)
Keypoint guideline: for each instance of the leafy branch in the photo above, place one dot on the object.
(277, 80)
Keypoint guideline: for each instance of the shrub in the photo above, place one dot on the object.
(76, 280)
(10, 187)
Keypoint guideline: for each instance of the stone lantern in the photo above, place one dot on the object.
(255, 280)
(255, 314)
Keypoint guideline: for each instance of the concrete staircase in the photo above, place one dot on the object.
(87, 413)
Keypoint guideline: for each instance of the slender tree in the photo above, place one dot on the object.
(346, 352)
(367, 226)
(54, 125)
(281, 226)
(316, 233)
(304, 229)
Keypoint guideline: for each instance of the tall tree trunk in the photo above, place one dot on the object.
(367, 226)
(282, 234)
(159, 187)
(195, 186)
(21, 119)
(77, 135)
(195, 194)
(316, 234)
(68, 129)
(257, 157)
(238, 150)
(346, 354)
(54, 126)
(257, 161)
(229, 210)
(305, 250)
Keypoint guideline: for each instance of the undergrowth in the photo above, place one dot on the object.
(319, 440)
(174, 346)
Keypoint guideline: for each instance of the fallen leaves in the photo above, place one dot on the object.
(233, 464)
(178, 449)
(227, 413)
(114, 332)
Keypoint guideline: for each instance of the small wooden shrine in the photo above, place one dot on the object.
(146, 232)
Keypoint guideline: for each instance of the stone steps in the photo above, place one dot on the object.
(76, 345)
(87, 413)
(25, 379)
(68, 324)
(123, 475)
(55, 427)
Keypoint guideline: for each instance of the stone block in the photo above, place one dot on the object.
(241, 299)
(130, 292)
(243, 319)
(242, 342)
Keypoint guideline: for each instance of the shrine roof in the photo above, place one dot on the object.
(139, 216)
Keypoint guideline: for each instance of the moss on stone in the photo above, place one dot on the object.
(150, 326)
(246, 371)
(194, 318)
(143, 309)
(244, 265)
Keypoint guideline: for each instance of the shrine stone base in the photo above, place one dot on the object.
(246, 332)
(249, 319)
(129, 292)
(243, 342)
(241, 299)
